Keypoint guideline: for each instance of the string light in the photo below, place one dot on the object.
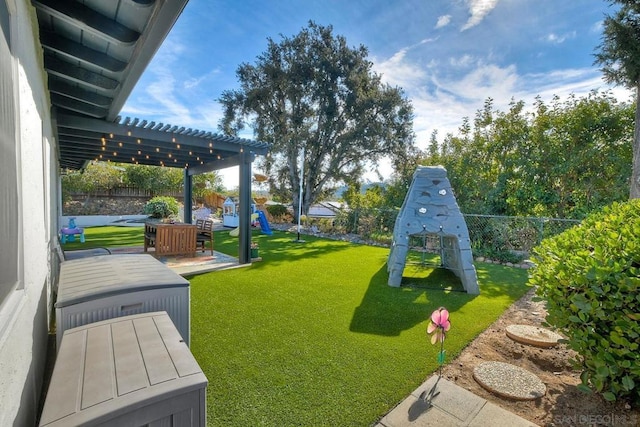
(139, 141)
(128, 133)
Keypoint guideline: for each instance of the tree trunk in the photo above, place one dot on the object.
(634, 192)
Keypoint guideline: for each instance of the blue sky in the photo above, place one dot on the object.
(449, 56)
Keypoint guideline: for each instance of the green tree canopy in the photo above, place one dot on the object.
(155, 179)
(95, 176)
(619, 57)
(563, 159)
(313, 94)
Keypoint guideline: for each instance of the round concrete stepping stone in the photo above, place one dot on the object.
(533, 335)
(509, 381)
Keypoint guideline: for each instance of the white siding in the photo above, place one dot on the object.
(24, 315)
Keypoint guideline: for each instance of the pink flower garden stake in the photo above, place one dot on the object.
(439, 325)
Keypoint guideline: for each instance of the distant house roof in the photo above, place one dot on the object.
(325, 209)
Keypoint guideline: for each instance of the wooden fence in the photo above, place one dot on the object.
(129, 191)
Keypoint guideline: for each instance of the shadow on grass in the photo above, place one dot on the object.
(388, 311)
(280, 248)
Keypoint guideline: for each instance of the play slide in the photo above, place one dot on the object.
(264, 224)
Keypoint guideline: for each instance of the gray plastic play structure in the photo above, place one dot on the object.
(430, 210)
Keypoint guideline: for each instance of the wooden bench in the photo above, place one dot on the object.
(171, 239)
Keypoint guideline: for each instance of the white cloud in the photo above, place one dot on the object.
(397, 71)
(442, 97)
(194, 82)
(171, 98)
(443, 21)
(559, 39)
(462, 62)
(478, 10)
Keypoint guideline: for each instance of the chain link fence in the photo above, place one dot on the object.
(498, 237)
(492, 235)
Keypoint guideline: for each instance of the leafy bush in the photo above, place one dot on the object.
(499, 255)
(277, 212)
(590, 277)
(161, 207)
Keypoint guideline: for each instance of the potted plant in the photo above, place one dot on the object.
(254, 250)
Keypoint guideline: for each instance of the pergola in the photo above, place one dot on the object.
(94, 52)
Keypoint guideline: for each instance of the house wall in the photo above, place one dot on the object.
(24, 315)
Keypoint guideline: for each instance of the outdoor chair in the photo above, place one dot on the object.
(205, 233)
(149, 236)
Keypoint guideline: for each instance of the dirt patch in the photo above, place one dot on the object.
(563, 404)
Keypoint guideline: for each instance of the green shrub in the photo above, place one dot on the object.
(590, 278)
(161, 207)
(499, 255)
(277, 212)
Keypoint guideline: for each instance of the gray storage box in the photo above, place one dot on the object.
(107, 286)
(129, 371)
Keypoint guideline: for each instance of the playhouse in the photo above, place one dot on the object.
(230, 216)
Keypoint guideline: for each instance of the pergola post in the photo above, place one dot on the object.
(244, 235)
(188, 191)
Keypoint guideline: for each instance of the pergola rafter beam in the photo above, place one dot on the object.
(79, 52)
(89, 20)
(215, 142)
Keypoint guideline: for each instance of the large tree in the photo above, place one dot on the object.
(619, 56)
(312, 94)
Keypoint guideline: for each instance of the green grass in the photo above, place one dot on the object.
(314, 336)
(109, 237)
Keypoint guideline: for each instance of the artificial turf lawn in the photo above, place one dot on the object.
(313, 336)
(108, 237)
